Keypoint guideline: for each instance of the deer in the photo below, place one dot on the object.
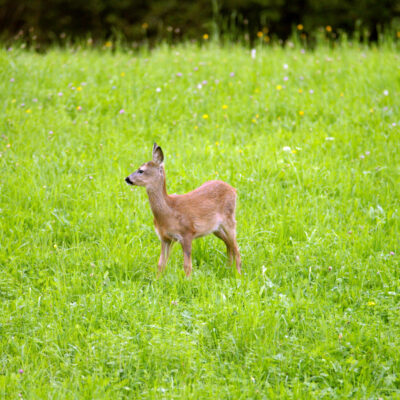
(182, 218)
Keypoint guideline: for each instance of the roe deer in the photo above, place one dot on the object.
(208, 209)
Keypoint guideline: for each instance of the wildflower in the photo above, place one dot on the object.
(328, 28)
(204, 82)
(371, 303)
(28, 111)
(121, 111)
(55, 246)
(79, 108)
(301, 113)
(398, 34)
(108, 44)
(217, 143)
(240, 151)
(300, 90)
(253, 121)
(113, 87)
(145, 25)
(285, 66)
(278, 87)
(199, 86)
(300, 27)
(8, 145)
(329, 138)
(179, 74)
(253, 54)
(50, 132)
(294, 151)
(79, 88)
(392, 253)
(386, 92)
(341, 94)
(285, 78)
(122, 74)
(13, 100)
(196, 127)
(232, 74)
(260, 34)
(330, 268)
(367, 153)
(21, 371)
(205, 36)
(311, 91)
(362, 156)
(12, 80)
(224, 107)
(266, 38)
(205, 116)
(371, 110)
(287, 149)
(60, 94)
(158, 90)
(340, 336)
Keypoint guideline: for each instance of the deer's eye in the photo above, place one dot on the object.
(140, 171)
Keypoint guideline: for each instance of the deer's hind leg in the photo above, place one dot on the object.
(229, 229)
(220, 233)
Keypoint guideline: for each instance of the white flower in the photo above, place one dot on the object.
(286, 148)
(386, 92)
(253, 54)
(285, 66)
(329, 138)
(158, 90)
(199, 86)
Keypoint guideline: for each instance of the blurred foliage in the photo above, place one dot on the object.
(140, 20)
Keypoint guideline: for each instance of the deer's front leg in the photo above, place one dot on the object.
(162, 262)
(187, 255)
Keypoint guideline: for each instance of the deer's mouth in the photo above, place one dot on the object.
(128, 181)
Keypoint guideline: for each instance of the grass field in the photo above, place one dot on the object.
(310, 139)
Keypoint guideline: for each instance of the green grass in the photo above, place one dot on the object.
(315, 313)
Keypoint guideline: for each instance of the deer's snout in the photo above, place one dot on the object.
(128, 181)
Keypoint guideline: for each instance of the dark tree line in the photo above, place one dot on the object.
(46, 21)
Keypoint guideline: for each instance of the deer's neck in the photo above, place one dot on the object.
(159, 201)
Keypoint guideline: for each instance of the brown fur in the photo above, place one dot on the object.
(208, 209)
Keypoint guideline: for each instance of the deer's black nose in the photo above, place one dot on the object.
(128, 181)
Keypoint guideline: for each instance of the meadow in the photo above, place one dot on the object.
(310, 140)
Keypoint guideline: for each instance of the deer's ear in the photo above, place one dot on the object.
(158, 156)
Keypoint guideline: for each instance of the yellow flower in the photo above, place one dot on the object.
(28, 110)
(300, 27)
(8, 145)
(257, 116)
(266, 38)
(13, 100)
(217, 143)
(196, 127)
(55, 246)
(78, 88)
(265, 29)
(108, 44)
(278, 87)
(301, 113)
(371, 110)
(205, 36)
(145, 25)
(122, 74)
(398, 34)
(341, 94)
(294, 151)
(253, 121)
(300, 90)
(224, 107)
(260, 34)
(328, 28)
(371, 303)
(240, 151)
(205, 116)
(256, 90)
(79, 108)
